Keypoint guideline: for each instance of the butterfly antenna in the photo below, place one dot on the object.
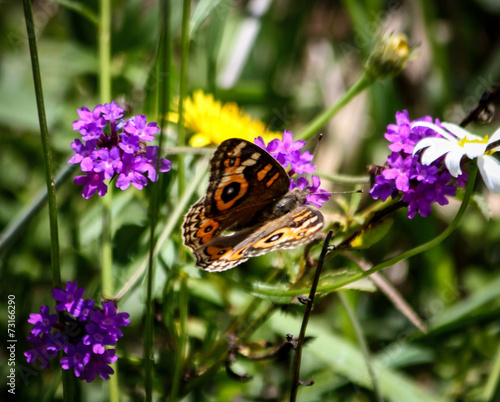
(320, 137)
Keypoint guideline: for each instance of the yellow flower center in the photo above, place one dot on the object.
(465, 140)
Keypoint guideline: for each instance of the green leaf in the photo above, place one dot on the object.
(201, 13)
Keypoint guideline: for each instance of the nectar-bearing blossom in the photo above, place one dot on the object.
(454, 143)
(114, 147)
(420, 183)
(84, 335)
(213, 122)
(288, 153)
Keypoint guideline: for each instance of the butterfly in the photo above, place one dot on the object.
(248, 194)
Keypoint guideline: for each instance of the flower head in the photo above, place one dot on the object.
(288, 153)
(420, 183)
(214, 122)
(84, 335)
(455, 143)
(42, 322)
(114, 147)
(389, 56)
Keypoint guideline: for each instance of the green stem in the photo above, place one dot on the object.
(181, 131)
(305, 321)
(68, 381)
(319, 121)
(46, 145)
(183, 337)
(163, 69)
(105, 50)
(104, 45)
(362, 343)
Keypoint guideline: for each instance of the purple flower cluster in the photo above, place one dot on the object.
(114, 146)
(421, 185)
(82, 337)
(288, 154)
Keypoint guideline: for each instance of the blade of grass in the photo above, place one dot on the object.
(362, 343)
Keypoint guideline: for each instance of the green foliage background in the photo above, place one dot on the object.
(305, 56)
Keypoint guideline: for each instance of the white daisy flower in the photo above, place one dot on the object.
(457, 143)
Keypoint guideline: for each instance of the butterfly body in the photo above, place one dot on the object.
(248, 193)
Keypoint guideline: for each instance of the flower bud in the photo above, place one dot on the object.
(389, 56)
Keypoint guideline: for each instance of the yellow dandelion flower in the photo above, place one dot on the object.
(214, 122)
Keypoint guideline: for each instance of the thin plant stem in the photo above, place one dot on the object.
(181, 131)
(183, 337)
(362, 343)
(163, 69)
(319, 121)
(46, 145)
(104, 42)
(181, 141)
(104, 46)
(68, 380)
(300, 341)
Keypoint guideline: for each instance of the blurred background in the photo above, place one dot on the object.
(283, 62)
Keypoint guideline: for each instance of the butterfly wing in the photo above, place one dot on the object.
(244, 181)
(243, 178)
(296, 228)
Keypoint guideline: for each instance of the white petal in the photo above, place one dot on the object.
(452, 162)
(495, 137)
(440, 147)
(490, 171)
(474, 149)
(424, 143)
(438, 129)
(460, 132)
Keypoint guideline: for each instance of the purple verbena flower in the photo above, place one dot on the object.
(90, 124)
(42, 322)
(288, 153)
(109, 140)
(83, 336)
(85, 154)
(383, 188)
(109, 162)
(130, 174)
(109, 320)
(112, 111)
(443, 189)
(91, 183)
(97, 338)
(149, 164)
(137, 126)
(419, 200)
(68, 299)
(41, 350)
(420, 185)
(129, 143)
(315, 196)
(99, 365)
(77, 357)
(399, 171)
